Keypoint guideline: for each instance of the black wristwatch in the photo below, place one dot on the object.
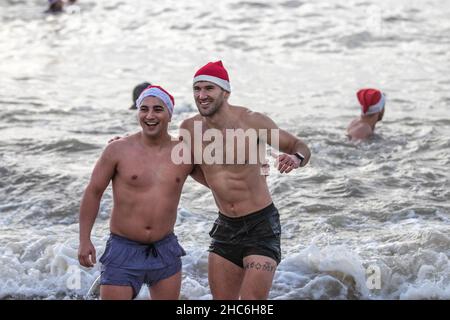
(300, 156)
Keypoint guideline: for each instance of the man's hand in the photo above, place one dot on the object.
(86, 254)
(114, 139)
(287, 162)
(118, 137)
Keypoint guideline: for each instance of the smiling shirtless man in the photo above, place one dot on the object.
(245, 249)
(146, 184)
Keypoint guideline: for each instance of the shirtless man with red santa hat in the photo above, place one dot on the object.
(372, 103)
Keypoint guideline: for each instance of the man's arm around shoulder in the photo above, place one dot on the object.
(186, 128)
(197, 175)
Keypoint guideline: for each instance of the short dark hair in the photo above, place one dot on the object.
(137, 92)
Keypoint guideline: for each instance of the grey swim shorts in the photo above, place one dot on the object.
(129, 263)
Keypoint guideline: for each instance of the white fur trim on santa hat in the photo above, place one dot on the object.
(155, 92)
(376, 107)
(224, 84)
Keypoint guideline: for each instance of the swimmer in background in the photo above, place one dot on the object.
(137, 92)
(55, 6)
(372, 103)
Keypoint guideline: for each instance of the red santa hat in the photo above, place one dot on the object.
(214, 72)
(371, 101)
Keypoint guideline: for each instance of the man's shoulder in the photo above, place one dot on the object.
(120, 144)
(254, 119)
(186, 123)
(354, 122)
(243, 113)
(359, 130)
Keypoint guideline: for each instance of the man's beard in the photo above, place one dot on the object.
(215, 106)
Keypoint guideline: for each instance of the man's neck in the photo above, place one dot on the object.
(156, 142)
(221, 118)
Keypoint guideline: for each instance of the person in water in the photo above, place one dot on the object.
(146, 184)
(137, 92)
(245, 248)
(372, 103)
(55, 6)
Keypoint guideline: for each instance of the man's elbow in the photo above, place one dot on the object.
(307, 155)
(93, 191)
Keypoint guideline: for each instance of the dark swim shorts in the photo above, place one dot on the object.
(257, 233)
(129, 263)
